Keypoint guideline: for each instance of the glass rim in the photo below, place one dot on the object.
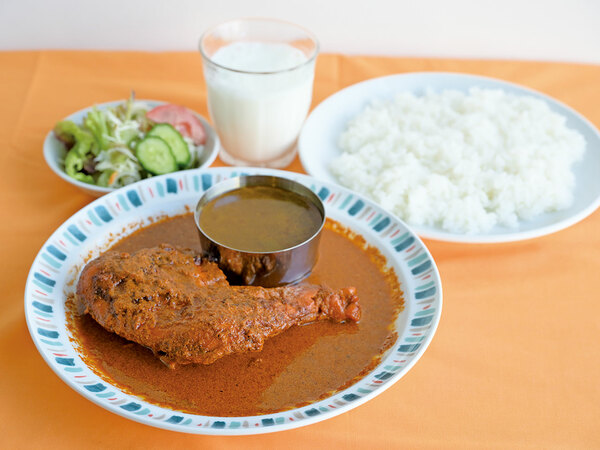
(310, 35)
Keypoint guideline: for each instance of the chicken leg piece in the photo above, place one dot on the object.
(182, 307)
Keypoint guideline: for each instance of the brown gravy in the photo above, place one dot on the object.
(297, 367)
(260, 219)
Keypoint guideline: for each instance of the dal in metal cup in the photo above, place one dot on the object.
(243, 237)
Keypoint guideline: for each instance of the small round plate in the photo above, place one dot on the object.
(54, 150)
(317, 146)
(91, 230)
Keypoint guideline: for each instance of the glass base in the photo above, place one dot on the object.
(277, 163)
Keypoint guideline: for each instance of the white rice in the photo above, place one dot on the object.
(462, 162)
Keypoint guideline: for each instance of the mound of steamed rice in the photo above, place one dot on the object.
(464, 162)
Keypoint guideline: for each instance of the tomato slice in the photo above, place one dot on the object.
(182, 119)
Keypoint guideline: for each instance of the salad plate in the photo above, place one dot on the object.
(55, 151)
(93, 229)
(318, 147)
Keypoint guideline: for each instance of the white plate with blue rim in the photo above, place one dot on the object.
(317, 147)
(91, 230)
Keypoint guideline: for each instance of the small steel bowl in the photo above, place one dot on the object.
(267, 269)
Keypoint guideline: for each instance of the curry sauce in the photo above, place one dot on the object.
(260, 219)
(297, 367)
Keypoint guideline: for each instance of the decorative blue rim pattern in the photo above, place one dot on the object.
(87, 232)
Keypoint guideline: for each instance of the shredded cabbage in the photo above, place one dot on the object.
(103, 147)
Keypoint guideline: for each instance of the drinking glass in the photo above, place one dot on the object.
(259, 76)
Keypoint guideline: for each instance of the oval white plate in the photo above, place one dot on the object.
(54, 150)
(317, 146)
(90, 231)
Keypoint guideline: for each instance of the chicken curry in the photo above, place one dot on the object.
(294, 368)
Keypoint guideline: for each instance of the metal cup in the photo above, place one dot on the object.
(267, 269)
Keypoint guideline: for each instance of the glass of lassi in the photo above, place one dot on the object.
(259, 77)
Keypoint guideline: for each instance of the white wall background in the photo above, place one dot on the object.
(552, 30)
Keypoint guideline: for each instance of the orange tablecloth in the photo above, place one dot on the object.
(516, 359)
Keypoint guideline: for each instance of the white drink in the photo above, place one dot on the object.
(258, 100)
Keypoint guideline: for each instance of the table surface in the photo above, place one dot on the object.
(514, 363)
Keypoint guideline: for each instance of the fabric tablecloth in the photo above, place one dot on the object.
(515, 362)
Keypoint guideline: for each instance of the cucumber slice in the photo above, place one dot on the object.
(171, 136)
(155, 155)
